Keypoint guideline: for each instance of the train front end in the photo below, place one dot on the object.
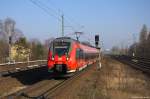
(58, 58)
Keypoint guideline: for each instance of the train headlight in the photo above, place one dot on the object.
(52, 58)
(67, 58)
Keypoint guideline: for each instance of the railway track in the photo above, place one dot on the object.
(49, 88)
(8, 69)
(143, 65)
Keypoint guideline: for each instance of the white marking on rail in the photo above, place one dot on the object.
(36, 65)
(18, 68)
(32, 66)
(100, 65)
(11, 63)
(71, 71)
(81, 68)
(89, 63)
(134, 60)
(84, 66)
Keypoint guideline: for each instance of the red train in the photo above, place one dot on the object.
(68, 55)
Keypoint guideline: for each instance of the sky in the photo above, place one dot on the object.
(116, 21)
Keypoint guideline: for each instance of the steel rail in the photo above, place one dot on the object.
(51, 91)
(10, 69)
(143, 66)
(14, 63)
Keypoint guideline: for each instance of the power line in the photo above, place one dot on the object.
(56, 15)
(72, 21)
(47, 10)
(44, 9)
(47, 7)
(67, 19)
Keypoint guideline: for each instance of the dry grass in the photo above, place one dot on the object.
(123, 82)
(113, 81)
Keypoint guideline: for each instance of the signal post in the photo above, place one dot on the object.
(99, 57)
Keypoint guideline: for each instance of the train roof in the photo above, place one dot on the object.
(65, 38)
(69, 39)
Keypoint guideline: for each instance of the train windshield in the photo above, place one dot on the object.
(61, 48)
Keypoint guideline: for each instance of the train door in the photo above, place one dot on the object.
(79, 57)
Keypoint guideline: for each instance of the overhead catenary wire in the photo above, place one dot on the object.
(45, 9)
(48, 7)
(57, 14)
(49, 11)
(68, 19)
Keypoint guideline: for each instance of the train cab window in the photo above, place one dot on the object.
(51, 46)
(61, 48)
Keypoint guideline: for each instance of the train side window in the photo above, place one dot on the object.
(81, 53)
(77, 53)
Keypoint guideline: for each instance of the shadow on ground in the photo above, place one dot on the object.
(36, 75)
(32, 76)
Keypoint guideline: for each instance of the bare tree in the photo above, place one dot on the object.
(10, 30)
(8, 33)
(2, 32)
(9, 26)
(143, 46)
(148, 45)
(3, 51)
(142, 42)
(115, 50)
(133, 50)
(16, 35)
(1, 25)
(47, 42)
(143, 34)
(37, 50)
